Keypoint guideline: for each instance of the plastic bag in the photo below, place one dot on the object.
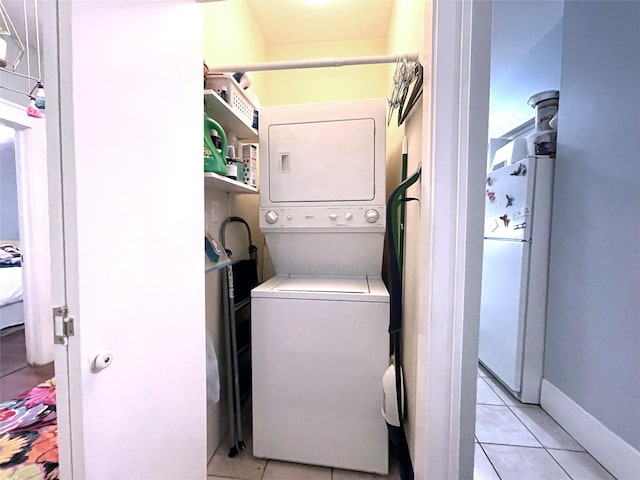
(213, 376)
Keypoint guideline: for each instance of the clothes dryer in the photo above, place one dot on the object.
(320, 345)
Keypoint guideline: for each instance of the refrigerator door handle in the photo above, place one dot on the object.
(521, 240)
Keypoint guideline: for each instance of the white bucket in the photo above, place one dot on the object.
(546, 105)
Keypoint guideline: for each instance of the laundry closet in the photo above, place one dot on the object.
(238, 32)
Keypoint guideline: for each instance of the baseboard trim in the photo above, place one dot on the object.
(616, 455)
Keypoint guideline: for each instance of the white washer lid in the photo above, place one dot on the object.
(305, 283)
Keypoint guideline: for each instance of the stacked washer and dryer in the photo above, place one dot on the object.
(320, 343)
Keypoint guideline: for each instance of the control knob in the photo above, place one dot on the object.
(371, 216)
(271, 217)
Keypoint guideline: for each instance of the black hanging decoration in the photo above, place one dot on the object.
(510, 200)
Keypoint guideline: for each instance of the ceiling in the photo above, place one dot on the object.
(305, 21)
(281, 21)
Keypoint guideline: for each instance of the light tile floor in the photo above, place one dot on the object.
(245, 467)
(517, 441)
(514, 441)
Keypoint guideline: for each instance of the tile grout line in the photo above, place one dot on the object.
(527, 429)
(498, 392)
(575, 451)
(494, 392)
(523, 424)
(544, 447)
(563, 429)
(264, 470)
(510, 407)
(490, 461)
(14, 371)
(511, 445)
(559, 464)
(480, 443)
(534, 448)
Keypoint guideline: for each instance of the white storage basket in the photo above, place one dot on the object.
(235, 97)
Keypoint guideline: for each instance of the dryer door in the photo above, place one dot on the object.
(322, 161)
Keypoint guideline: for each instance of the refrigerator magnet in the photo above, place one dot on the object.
(491, 196)
(489, 181)
(505, 220)
(520, 171)
(521, 212)
(509, 200)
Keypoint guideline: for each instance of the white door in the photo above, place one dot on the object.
(509, 201)
(126, 182)
(503, 309)
(322, 161)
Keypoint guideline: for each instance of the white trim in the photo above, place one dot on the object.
(616, 455)
(57, 56)
(14, 116)
(33, 210)
(451, 225)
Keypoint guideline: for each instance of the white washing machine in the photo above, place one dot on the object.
(320, 348)
(320, 342)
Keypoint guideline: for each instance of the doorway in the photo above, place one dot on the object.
(26, 344)
(16, 375)
(515, 439)
(32, 205)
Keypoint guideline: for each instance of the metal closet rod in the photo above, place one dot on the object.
(318, 63)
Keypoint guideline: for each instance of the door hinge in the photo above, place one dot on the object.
(63, 325)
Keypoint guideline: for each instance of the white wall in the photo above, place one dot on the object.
(411, 287)
(9, 228)
(593, 334)
(525, 59)
(247, 46)
(517, 26)
(409, 31)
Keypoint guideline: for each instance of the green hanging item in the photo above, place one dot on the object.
(214, 160)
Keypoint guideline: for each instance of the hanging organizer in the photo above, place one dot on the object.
(242, 276)
(408, 74)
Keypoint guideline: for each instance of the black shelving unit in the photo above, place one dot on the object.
(241, 277)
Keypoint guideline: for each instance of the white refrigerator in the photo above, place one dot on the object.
(514, 274)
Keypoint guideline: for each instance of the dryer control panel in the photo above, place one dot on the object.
(323, 218)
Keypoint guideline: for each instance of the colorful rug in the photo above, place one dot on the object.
(29, 435)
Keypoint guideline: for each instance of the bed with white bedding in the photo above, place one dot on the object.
(11, 306)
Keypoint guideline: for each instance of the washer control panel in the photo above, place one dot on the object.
(323, 217)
